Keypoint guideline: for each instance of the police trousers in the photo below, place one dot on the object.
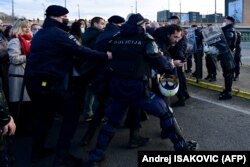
(49, 96)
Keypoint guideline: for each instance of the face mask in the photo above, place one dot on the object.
(82, 30)
(224, 24)
(65, 21)
(34, 32)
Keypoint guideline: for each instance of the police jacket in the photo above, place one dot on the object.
(134, 52)
(230, 35)
(52, 51)
(199, 41)
(102, 40)
(237, 45)
(227, 59)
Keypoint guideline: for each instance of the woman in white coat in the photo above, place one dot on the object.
(18, 50)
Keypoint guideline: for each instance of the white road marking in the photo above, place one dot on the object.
(220, 104)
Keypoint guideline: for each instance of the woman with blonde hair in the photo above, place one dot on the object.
(18, 50)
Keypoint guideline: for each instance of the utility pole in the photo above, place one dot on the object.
(215, 20)
(168, 5)
(135, 6)
(180, 10)
(65, 3)
(43, 10)
(13, 13)
(78, 11)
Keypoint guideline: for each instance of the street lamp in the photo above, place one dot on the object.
(43, 10)
(180, 10)
(78, 11)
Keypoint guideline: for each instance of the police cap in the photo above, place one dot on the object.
(55, 10)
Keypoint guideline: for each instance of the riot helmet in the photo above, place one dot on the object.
(168, 84)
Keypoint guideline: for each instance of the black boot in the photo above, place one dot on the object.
(212, 79)
(225, 96)
(64, 159)
(135, 140)
(236, 77)
(179, 103)
(43, 153)
(172, 130)
(208, 77)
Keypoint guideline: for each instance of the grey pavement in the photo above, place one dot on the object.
(243, 84)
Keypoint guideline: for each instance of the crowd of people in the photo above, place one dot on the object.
(102, 70)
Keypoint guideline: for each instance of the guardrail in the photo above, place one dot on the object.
(245, 33)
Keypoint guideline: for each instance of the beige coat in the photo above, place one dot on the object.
(17, 65)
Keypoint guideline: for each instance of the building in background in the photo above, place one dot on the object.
(239, 9)
(190, 17)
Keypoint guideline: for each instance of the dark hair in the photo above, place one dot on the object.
(76, 29)
(162, 35)
(34, 24)
(7, 32)
(170, 29)
(95, 20)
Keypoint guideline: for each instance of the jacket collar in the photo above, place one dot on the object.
(48, 22)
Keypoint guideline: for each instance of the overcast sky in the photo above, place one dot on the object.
(105, 8)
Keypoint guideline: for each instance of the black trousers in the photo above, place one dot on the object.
(48, 96)
(228, 80)
(211, 66)
(182, 92)
(237, 64)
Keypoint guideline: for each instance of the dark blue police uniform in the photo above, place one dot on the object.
(133, 54)
(50, 60)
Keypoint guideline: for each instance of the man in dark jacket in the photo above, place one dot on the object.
(97, 25)
(46, 75)
(134, 53)
(226, 59)
(178, 52)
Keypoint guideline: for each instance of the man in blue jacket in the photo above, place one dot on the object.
(46, 75)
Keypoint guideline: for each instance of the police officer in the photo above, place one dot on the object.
(134, 52)
(50, 60)
(198, 54)
(210, 65)
(102, 76)
(226, 59)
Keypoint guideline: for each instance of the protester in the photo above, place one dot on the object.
(178, 52)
